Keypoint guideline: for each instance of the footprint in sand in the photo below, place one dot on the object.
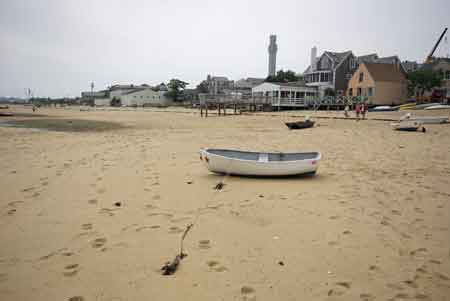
(28, 189)
(98, 243)
(175, 229)
(3, 277)
(101, 190)
(396, 212)
(71, 270)
(216, 266)
(76, 298)
(441, 276)
(92, 201)
(411, 283)
(147, 227)
(339, 289)
(107, 211)
(248, 293)
(204, 244)
(419, 251)
(419, 210)
(86, 226)
(374, 268)
(366, 297)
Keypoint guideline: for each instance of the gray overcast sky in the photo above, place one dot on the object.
(58, 47)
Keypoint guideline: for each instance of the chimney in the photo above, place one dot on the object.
(313, 58)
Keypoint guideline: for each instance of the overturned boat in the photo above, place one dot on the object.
(425, 119)
(438, 107)
(235, 162)
(383, 109)
(300, 124)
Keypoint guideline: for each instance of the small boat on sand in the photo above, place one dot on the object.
(407, 106)
(424, 106)
(408, 125)
(383, 109)
(438, 107)
(235, 162)
(300, 124)
(425, 119)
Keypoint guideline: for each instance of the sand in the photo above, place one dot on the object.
(372, 225)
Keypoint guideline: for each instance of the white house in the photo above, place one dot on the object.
(285, 94)
(144, 96)
(102, 101)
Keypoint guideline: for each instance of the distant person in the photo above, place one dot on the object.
(366, 108)
(346, 111)
(363, 110)
(34, 108)
(357, 110)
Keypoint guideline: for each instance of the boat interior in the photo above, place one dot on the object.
(263, 157)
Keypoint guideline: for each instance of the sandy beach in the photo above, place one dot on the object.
(373, 224)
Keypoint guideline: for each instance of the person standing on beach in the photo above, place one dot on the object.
(346, 111)
(366, 109)
(363, 111)
(357, 110)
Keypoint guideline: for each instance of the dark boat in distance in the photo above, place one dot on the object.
(300, 125)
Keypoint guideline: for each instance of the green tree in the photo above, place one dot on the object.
(176, 88)
(283, 77)
(329, 92)
(202, 87)
(423, 80)
(116, 102)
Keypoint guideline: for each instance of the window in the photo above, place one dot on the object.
(361, 77)
(370, 91)
(359, 91)
(348, 76)
(447, 75)
(352, 63)
(350, 92)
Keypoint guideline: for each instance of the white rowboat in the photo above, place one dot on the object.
(407, 125)
(425, 119)
(438, 107)
(236, 162)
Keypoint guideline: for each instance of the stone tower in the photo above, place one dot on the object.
(272, 55)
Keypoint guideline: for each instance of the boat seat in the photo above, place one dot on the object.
(263, 157)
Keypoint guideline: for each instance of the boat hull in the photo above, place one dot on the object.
(438, 107)
(226, 165)
(299, 125)
(407, 125)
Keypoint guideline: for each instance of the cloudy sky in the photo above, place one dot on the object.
(58, 47)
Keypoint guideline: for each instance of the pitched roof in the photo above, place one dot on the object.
(385, 72)
(367, 58)
(135, 90)
(388, 59)
(337, 57)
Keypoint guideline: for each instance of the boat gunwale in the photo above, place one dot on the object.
(317, 158)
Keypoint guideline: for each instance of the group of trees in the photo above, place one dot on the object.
(423, 80)
(283, 77)
(176, 89)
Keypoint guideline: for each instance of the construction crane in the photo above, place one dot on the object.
(430, 58)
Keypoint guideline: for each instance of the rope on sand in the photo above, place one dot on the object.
(170, 267)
